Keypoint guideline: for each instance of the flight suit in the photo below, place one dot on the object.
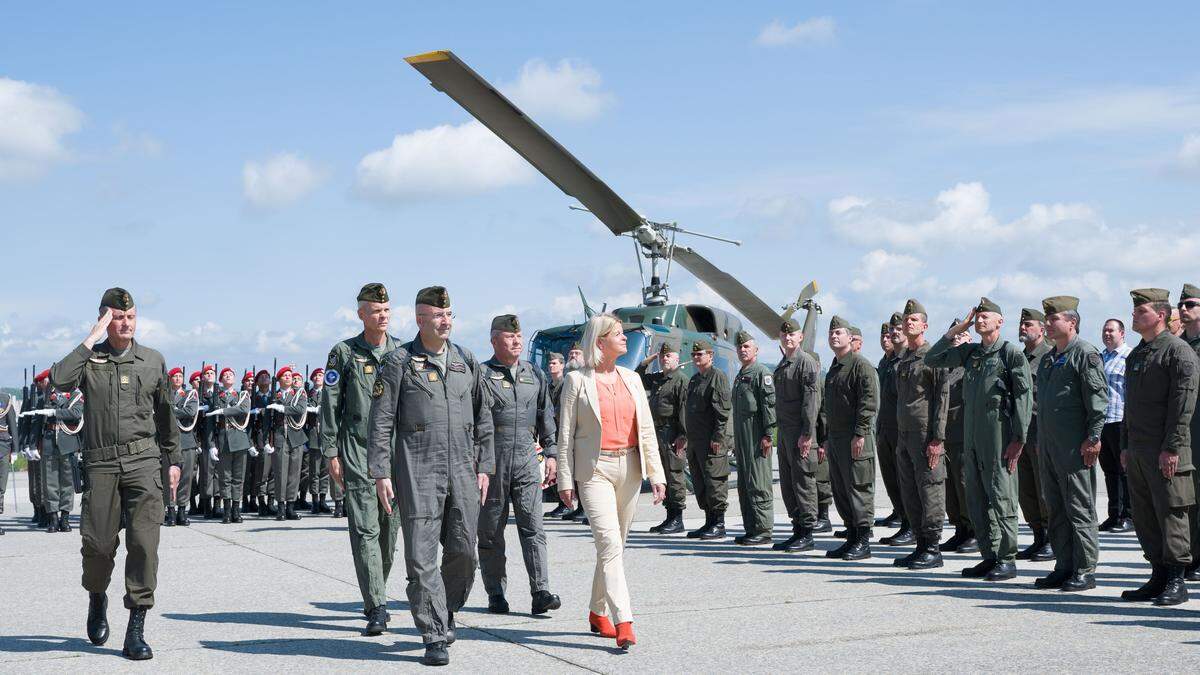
(921, 399)
(1029, 482)
(185, 404)
(430, 431)
(667, 393)
(796, 408)
(708, 409)
(956, 484)
(753, 399)
(128, 423)
(997, 404)
(345, 407)
(1160, 399)
(1073, 394)
(1194, 511)
(233, 442)
(888, 433)
(289, 438)
(851, 402)
(59, 445)
(8, 442)
(522, 419)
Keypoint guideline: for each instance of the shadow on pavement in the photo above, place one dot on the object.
(49, 643)
(348, 649)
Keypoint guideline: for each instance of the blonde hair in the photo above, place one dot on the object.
(600, 325)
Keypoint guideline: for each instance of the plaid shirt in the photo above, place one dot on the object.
(1114, 372)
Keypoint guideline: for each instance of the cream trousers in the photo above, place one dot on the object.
(610, 499)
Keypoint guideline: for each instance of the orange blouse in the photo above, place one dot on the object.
(618, 415)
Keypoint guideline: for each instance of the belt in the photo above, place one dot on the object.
(121, 450)
(617, 453)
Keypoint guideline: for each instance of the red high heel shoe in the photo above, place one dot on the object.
(602, 625)
(625, 636)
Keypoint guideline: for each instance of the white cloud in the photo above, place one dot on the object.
(880, 270)
(34, 120)
(568, 90)
(443, 161)
(1188, 156)
(279, 181)
(137, 142)
(817, 30)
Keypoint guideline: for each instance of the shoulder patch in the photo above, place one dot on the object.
(1094, 360)
(332, 377)
(377, 390)
(332, 362)
(768, 381)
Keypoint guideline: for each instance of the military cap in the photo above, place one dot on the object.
(248, 376)
(506, 323)
(210, 367)
(897, 319)
(914, 307)
(44, 375)
(434, 296)
(742, 338)
(1143, 295)
(667, 348)
(373, 292)
(1189, 292)
(838, 322)
(789, 326)
(117, 298)
(261, 372)
(282, 372)
(315, 373)
(986, 305)
(223, 371)
(1060, 303)
(556, 355)
(194, 376)
(885, 328)
(856, 331)
(175, 371)
(575, 348)
(1031, 314)
(701, 346)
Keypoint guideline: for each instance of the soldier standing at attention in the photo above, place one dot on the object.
(753, 435)
(963, 539)
(708, 407)
(997, 403)
(1029, 478)
(796, 411)
(431, 406)
(523, 422)
(1074, 391)
(1156, 447)
(350, 375)
(290, 406)
(922, 398)
(887, 432)
(185, 403)
(555, 364)
(232, 407)
(59, 443)
(667, 393)
(851, 401)
(1189, 312)
(8, 441)
(319, 466)
(128, 423)
(209, 471)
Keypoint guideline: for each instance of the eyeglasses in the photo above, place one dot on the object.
(1189, 304)
(437, 316)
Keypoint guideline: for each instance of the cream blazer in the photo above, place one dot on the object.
(579, 428)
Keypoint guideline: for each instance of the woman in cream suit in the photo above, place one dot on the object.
(607, 445)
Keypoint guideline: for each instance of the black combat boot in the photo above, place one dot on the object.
(801, 540)
(674, 524)
(181, 518)
(1053, 580)
(339, 508)
(698, 532)
(64, 521)
(169, 519)
(544, 601)
(36, 519)
(301, 503)
(969, 545)
(892, 520)
(217, 511)
(558, 511)
(315, 508)
(1193, 571)
(576, 514)
(717, 531)
(1079, 581)
(752, 539)
(274, 508)
(656, 528)
(903, 537)
(136, 648)
(980, 570)
(236, 516)
(1150, 589)
(322, 505)
(436, 654)
(97, 619)
(51, 522)
(1040, 550)
(927, 556)
(841, 550)
(783, 545)
(1174, 592)
(906, 560)
(290, 512)
(822, 524)
(227, 512)
(497, 604)
(377, 619)
(955, 540)
(861, 548)
(1002, 571)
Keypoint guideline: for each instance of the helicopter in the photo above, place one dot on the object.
(655, 320)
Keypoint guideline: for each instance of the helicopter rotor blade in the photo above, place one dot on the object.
(448, 74)
(743, 299)
(807, 293)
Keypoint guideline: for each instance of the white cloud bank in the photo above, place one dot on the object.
(279, 180)
(818, 30)
(34, 121)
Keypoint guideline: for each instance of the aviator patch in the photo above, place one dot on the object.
(332, 377)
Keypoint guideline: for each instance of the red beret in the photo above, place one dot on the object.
(225, 370)
(44, 375)
(315, 373)
(283, 371)
(262, 372)
(210, 367)
(248, 375)
(175, 371)
(194, 376)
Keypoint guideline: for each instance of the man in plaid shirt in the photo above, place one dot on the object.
(1115, 351)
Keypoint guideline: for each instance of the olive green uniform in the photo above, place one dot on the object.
(1074, 396)
(997, 403)
(796, 410)
(59, 445)
(8, 441)
(1194, 511)
(921, 397)
(851, 402)
(345, 409)
(1160, 399)
(1029, 481)
(956, 484)
(289, 441)
(887, 436)
(708, 409)
(753, 418)
(128, 423)
(233, 440)
(667, 393)
(185, 403)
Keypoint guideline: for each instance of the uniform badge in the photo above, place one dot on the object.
(124, 379)
(368, 369)
(332, 377)
(377, 391)
(433, 376)
(457, 367)
(768, 381)
(506, 384)
(361, 359)
(496, 376)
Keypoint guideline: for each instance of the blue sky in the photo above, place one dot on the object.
(216, 161)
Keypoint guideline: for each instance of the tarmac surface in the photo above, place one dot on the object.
(269, 596)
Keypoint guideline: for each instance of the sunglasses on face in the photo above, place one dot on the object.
(1189, 304)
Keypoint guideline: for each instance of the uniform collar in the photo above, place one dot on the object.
(389, 342)
(134, 352)
(494, 364)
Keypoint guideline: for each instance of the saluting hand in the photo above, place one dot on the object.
(962, 327)
(100, 329)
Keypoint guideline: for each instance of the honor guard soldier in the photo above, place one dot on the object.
(997, 404)
(796, 412)
(37, 416)
(231, 408)
(1160, 399)
(207, 467)
(523, 422)
(185, 403)
(1029, 479)
(9, 424)
(318, 465)
(708, 440)
(887, 438)
(1189, 312)
(350, 375)
(128, 423)
(290, 408)
(60, 426)
(753, 414)
(431, 405)
(556, 365)
(667, 393)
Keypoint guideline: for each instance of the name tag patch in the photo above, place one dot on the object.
(433, 376)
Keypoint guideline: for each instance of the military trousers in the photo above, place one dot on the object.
(754, 479)
(318, 472)
(129, 486)
(1115, 483)
(373, 534)
(922, 489)
(59, 492)
(34, 468)
(853, 482)
(306, 480)
(1069, 493)
(1194, 517)
(887, 449)
(673, 467)
(285, 469)
(434, 592)
(798, 478)
(956, 488)
(992, 501)
(824, 485)
(183, 493)
(710, 476)
(1029, 486)
(260, 474)
(231, 468)
(1160, 509)
(207, 471)
(5, 469)
(521, 489)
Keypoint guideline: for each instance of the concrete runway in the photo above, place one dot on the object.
(267, 596)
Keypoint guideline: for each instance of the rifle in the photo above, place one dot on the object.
(268, 418)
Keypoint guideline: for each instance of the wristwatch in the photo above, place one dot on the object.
(1094, 439)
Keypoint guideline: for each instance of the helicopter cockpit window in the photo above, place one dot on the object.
(703, 319)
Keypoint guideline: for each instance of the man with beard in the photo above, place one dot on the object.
(575, 362)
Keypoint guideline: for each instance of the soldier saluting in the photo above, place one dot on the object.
(129, 422)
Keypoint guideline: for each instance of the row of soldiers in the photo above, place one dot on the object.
(956, 425)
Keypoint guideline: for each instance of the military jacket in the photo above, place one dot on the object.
(997, 390)
(555, 394)
(186, 404)
(1074, 395)
(63, 429)
(260, 420)
(887, 392)
(754, 398)
(522, 416)
(291, 421)
(851, 399)
(350, 375)
(128, 397)
(1194, 343)
(8, 423)
(797, 402)
(1160, 397)
(954, 406)
(313, 425)
(921, 395)
(231, 428)
(667, 393)
(708, 408)
(1034, 357)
